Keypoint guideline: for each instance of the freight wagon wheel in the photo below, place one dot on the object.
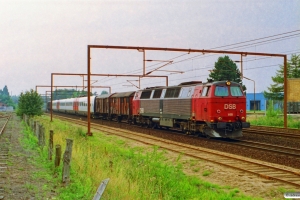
(133, 121)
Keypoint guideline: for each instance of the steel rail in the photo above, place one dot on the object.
(272, 133)
(3, 128)
(3, 156)
(275, 128)
(268, 147)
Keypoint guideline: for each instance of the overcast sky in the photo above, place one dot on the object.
(43, 37)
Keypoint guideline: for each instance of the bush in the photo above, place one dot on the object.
(30, 103)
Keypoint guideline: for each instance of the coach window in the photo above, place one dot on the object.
(221, 91)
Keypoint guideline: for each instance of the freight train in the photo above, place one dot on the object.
(212, 109)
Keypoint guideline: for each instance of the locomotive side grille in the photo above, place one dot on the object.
(150, 106)
(177, 106)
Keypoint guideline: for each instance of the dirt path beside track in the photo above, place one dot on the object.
(23, 180)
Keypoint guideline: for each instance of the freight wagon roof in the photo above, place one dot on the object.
(123, 94)
(103, 96)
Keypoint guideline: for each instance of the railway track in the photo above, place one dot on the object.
(274, 131)
(4, 150)
(266, 170)
(294, 152)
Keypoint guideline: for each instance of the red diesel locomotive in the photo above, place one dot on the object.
(213, 109)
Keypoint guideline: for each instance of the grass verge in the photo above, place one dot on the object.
(134, 172)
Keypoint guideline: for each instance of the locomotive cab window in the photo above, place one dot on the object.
(157, 94)
(205, 91)
(146, 94)
(172, 92)
(186, 92)
(236, 91)
(221, 91)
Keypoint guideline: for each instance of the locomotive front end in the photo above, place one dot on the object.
(226, 111)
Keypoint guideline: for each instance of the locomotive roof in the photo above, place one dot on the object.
(222, 82)
(190, 83)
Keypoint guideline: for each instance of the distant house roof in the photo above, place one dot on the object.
(2, 104)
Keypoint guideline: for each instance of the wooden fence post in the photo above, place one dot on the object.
(57, 155)
(37, 131)
(67, 159)
(32, 123)
(41, 135)
(50, 150)
(25, 119)
(34, 126)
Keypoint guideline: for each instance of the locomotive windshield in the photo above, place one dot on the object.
(222, 91)
(236, 91)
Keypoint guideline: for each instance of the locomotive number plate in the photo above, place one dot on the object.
(229, 106)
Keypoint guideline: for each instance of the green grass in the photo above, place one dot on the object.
(135, 173)
(274, 118)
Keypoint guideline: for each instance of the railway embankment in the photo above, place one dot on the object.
(201, 168)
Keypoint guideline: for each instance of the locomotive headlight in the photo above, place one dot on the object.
(228, 83)
(218, 111)
(219, 118)
(241, 111)
(243, 118)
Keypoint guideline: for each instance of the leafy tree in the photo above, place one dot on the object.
(226, 70)
(104, 92)
(5, 97)
(5, 91)
(30, 103)
(67, 93)
(293, 71)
